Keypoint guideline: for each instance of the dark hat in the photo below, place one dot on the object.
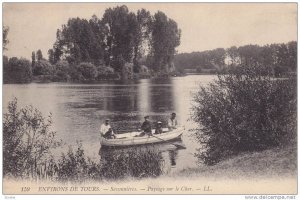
(146, 117)
(173, 113)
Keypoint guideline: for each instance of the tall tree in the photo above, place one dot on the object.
(165, 38)
(4, 37)
(142, 38)
(77, 42)
(51, 57)
(121, 31)
(39, 55)
(33, 60)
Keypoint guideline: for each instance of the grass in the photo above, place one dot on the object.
(278, 162)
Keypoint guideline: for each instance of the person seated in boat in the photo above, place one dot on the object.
(158, 129)
(172, 122)
(146, 127)
(106, 130)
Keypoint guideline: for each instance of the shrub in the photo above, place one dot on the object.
(246, 110)
(63, 71)
(43, 67)
(17, 71)
(73, 166)
(27, 139)
(106, 72)
(117, 164)
(88, 71)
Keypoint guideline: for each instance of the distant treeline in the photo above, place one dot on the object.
(281, 57)
(120, 44)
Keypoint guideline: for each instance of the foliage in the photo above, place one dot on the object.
(119, 37)
(87, 71)
(114, 164)
(17, 70)
(5, 41)
(33, 60)
(117, 164)
(245, 110)
(62, 71)
(105, 72)
(165, 38)
(43, 67)
(73, 166)
(281, 57)
(213, 59)
(39, 55)
(27, 138)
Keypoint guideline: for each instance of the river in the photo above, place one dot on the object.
(78, 110)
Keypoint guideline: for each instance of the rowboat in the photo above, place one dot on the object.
(133, 138)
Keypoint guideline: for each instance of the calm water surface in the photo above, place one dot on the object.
(79, 110)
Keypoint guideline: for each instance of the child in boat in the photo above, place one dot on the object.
(158, 129)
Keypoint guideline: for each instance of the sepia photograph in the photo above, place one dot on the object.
(149, 98)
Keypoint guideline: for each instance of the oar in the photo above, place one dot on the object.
(177, 145)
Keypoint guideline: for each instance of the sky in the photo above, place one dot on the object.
(204, 26)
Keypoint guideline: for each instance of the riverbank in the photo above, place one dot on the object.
(272, 171)
(278, 162)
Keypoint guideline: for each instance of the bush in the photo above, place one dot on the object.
(73, 166)
(88, 71)
(17, 70)
(63, 71)
(114, 164)
(27, 139)
(245, 110)
(43, 67)
(106, 72)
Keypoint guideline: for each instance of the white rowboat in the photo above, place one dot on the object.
(132, 138)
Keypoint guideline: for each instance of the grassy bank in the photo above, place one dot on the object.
(278, 162)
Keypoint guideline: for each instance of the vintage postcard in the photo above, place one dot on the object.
(149, 98)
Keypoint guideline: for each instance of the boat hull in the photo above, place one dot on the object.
(131, 139)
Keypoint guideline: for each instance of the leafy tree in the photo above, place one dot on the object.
(39, 55)
(233, 54)
(88, 71)
(122, 28)
(63, 71)
(27, 139)
(165, 38)
(51, 56)
(79, 41)
(18, 71)
(43, 67)
(292, 60)
(33, 60)
(244, 110)
(5, 69)
(142, 37)
(5, 41)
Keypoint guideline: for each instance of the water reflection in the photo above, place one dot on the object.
(79, 110)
